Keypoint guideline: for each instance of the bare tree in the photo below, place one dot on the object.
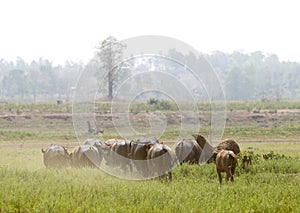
(110, 54)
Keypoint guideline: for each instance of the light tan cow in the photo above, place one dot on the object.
(226, 161)
(56, 157)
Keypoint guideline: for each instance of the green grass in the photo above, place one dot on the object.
(137, 106)
(267, 187)
(61, 133)
(35, 107)
(27, 136)
(286, 148)
(253, 132)
(268, 104)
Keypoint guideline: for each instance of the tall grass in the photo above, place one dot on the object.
(268, 186)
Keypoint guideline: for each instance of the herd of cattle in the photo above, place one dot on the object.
(147, 155)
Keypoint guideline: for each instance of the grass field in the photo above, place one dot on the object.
(266, 186)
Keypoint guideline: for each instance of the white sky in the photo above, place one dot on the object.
(61, 30)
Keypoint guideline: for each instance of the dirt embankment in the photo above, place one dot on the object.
(234, 117)
(63, 121)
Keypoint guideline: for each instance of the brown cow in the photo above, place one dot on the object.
(229, 144)
(226, 161)
(160, 160)
(56, 157)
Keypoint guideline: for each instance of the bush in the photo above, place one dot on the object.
(161, 104)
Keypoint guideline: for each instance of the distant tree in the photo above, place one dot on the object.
(21, 64)
(292, 81)
(15, 83)
(33, 79)
(66, 78)
(47, 78)
(109, 53)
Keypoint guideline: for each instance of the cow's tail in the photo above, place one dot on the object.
(178, 153)
(233, 156)
(170, 160)
(167, 165)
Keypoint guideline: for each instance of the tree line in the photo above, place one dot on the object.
(38, 80)
(244, 76)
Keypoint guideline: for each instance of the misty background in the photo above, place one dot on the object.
(253, 46)
(243, 76)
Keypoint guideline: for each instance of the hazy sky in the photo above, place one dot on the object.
(61, 30)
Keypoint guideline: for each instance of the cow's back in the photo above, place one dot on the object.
(55, 156)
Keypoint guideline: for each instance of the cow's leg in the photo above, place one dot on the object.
(123, 166)
(228, 174)
(150, 169)
(170, 174)
(219, 176)
(158, 169)
(232, 173)
(142, 168)
(161, 177)
(145, 171)
(131, 166)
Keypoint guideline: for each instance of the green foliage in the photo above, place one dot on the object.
(276, 156)
(276, 164)
(161, 104)
(250, 154)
